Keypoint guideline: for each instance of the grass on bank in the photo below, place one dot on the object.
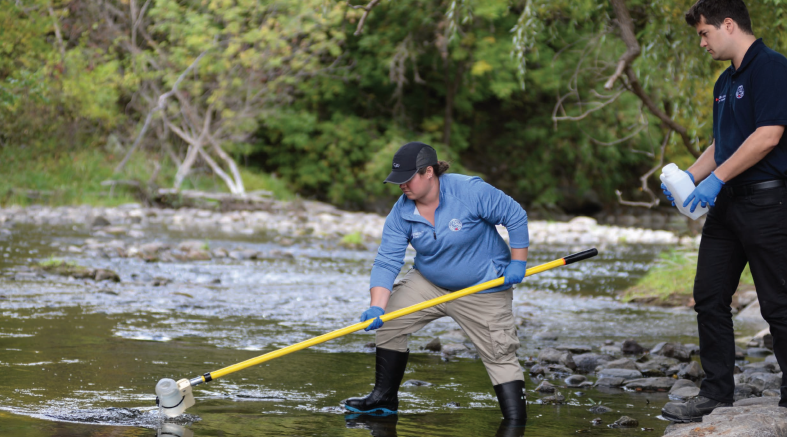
(671, 280)
(58, 176)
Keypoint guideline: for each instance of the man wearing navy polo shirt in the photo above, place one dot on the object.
(742, 178)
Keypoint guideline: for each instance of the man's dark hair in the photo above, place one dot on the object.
(715, 11)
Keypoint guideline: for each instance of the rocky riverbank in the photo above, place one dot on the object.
(564, 371)
(302, 219)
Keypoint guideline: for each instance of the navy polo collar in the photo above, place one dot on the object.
(755, 48)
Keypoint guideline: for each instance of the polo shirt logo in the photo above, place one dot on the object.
(721, 98)
(455, 225)
(739, 94)
(417, 234)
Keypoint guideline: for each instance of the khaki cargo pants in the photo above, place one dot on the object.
(486, 318)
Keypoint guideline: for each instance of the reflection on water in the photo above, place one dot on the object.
(76, 352)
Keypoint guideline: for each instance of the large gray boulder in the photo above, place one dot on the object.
(626, 374)
(757, 417)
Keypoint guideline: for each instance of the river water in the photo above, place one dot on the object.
(81, 358)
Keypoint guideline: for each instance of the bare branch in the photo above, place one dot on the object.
(161, 103)
(366, 9)
(633, 50)
(596, 107)
(624, 65)
(644, 179)
(58, 35)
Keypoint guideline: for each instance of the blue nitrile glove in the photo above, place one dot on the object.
(705, 193)
(373, 313)
(515, 272)
(668, 194)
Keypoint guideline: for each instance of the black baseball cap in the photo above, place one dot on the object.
(408, 160)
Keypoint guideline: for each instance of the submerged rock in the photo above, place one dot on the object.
(625, 422)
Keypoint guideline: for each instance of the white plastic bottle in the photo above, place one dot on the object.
(679, 184)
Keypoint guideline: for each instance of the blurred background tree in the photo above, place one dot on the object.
(569, 106)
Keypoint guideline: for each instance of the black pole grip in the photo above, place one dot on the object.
(579, 256)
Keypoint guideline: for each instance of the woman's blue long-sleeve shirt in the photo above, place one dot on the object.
(463, 248)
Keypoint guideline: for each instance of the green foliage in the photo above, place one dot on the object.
(671, 278)
(310, 108)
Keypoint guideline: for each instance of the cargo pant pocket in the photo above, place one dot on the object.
(504, 339)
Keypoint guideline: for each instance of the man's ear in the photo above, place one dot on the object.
(729, 25)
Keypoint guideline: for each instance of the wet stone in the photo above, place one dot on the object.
(554, 356)
(434, 345)
(631, 347)
(625, 422)
(610, 382)
(106, 275)
(622, 363)
(765, 381)
(692, 371)
(771, 393)
(620, 373)
(684, 394)
(557, 398)
(100, 222)
(758, 352)
(587, 363)
(761, 367)
(650, 384)
(575, 380)
(453, 349)
(743, 391)
(545, 387)
(574, 348)
(600, 409)
(682, 383)
(672, 350)
(611, 350)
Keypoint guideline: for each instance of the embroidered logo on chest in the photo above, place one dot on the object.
(417, 234)
(455, 225)
(721, 98)
(739, 93)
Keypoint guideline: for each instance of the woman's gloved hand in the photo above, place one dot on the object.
(373, 313)
(515, 272)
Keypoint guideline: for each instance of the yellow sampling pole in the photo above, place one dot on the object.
(579, 256)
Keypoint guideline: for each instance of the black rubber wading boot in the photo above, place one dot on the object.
(513, 403)
(380, 426)
(384, 399)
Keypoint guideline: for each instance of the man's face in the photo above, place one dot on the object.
(714, 41)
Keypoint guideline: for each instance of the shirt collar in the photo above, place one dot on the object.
(751, 53)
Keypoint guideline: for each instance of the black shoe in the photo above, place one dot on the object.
(384, 399)
(692, 410)
(379, 425)
(513, 403)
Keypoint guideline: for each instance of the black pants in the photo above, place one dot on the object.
(739, 229)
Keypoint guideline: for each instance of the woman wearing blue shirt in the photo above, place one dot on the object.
(449, 219)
